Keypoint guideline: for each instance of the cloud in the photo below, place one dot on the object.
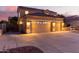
(6, 11)
(11, 8)
(8, 8)
(4, 16)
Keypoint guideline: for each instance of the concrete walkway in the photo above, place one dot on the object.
(55, 42)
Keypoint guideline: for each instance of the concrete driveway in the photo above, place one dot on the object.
(54, 42)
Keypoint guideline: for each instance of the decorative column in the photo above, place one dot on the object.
(24, 23)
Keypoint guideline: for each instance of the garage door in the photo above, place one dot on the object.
(57, 26)
(38, 27)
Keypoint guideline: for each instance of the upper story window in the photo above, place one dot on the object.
(19, 14)
(26, 12)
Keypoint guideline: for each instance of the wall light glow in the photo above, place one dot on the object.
(20, 22)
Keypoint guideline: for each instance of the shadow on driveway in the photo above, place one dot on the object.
(25, 49)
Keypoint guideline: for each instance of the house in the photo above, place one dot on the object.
(3, 26)
(33, 20)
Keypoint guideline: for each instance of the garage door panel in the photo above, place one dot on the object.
(38, 27)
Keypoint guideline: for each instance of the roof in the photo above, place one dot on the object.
(23, 7)
(42, 13)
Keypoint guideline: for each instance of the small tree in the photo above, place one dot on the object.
(13, 23)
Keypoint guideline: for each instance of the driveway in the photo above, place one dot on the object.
(54, 42)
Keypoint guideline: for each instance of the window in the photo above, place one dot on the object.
(45, 22)
(41, 22)
(26, 12)
(19, 14)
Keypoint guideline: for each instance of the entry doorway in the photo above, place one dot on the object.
(28, 27)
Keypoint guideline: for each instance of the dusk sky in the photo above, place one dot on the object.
(65, 10)
(6, 11)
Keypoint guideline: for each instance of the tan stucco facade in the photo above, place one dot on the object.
(39, 24)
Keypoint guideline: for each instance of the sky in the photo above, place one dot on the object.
(65, 10)
(6, 11)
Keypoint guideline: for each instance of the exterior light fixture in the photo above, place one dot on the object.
(28, 23)
(20, 22)
(53, 24)
(26, 12)
(63, 29)
(62, 24)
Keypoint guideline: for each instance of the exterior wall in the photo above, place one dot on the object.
(20, 24)
(21, 11)
(46, 25)
(60, 24)
(41, 24)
